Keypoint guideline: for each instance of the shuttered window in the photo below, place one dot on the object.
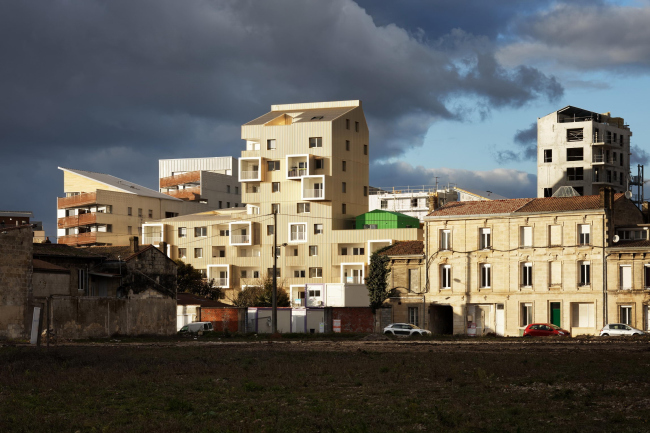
(556, 273)
(555, 235)
(626, 277)
(582, 315)
(526, 237)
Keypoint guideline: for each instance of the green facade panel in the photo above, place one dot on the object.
(382, 219)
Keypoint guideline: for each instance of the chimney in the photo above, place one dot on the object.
(433, 201)
(133, 242)
(645, 210)
(163, 247)
(606, 198)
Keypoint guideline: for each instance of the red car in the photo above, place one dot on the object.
(544, 330)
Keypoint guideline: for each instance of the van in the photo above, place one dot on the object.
(195, 327)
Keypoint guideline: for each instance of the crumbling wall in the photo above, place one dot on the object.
(151, 270)
(16, 248)
(86, 317)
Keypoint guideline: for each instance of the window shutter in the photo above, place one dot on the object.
(556, 235)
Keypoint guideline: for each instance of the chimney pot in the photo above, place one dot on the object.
(133, 241)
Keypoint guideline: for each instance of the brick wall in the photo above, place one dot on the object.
(16, 248)
(222, 318)
(354, 319)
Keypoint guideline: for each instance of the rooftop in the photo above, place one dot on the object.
(61, 250)
(18, 213)
(183, 298)
(405, 248)
(309, 112)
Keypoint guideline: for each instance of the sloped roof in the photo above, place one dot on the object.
(18, 213)
(303, 115)
(121, 184)
(41, 265)
(483, 207)
(565, 204)
(489, 195)
(183, 298)
(122, 252)
(405, 248)
(61, 250)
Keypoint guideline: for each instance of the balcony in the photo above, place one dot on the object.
(82, 199)
(79, 239)
(604, 159)
(250, 169)
(312, 194)
(298, 166)
(180, 179)
(221, 282)
(352, 273)
(77, 220)
(240, 239)
(220, 274)
(241, 233)
(313, 187)
(152, 234)
(249, 175)
(188, 194)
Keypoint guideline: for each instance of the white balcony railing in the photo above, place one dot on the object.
(247, 175)
(221, 282)
(298, 236)
(240, 239)
(354, 280)
(312, 193)
(297, 172)
(151, 240)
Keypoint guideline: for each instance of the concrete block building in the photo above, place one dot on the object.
(583, 150)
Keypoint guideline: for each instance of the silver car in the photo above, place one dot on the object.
(616, 329)
(405, 329)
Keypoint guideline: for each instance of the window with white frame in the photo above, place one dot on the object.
(527, 274)
(315, 272)
(313, 250)
(298, 232)
(318, 229)
(445, 276)
(485, 236)
(554, 236)
(625, 314)
(555, 273)
(270, 144)
(445, 239)
(582, 314)
(384, 204)
(224, 232)
(625, 279)
(584, 231)
(275, 207)
(182, 253)
(413, 316)
(299, 273)
(526, 237)
(358, 251)
(269, 272)
(525, 314)
(585, 273)
(275, 186)
(182, 232)
(304, 207)
(316, 142)
(486, 275)
(198, 253)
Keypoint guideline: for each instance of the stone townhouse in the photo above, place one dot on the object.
(496, 266)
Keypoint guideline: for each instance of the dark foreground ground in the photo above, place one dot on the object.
(320, 385)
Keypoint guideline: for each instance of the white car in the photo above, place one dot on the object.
(405, 329)
(615, 329)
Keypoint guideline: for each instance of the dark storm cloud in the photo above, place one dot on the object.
(639, 156)
(88, 84)
(526, 146)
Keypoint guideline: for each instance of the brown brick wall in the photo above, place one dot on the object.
(354, 319)
(221, 318)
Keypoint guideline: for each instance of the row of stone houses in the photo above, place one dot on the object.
(496, 266)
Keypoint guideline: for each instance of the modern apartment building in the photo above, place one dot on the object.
(306, 166)
(100, 209)
(495, 267)
(583, 150)
(212, 181)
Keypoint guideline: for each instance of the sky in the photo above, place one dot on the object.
(451, 89)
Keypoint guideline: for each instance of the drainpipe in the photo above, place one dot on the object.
(605, 321)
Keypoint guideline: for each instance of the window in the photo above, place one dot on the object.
(646, 276)
(275, 207)
(445, 239)
(414, 202)
(413, 316)
(614, 157)
(317, 118)
(344, 187)
(198, 253)
(228, 189)
(548, 192)
(620, 180)
(270, 144)
(242, 274)
(318, 229)
(358, 251)
(171, 214)
(319, 164)
(298, 232)
(579, 189)
(347, 145)
(555, 270)
(526, 237)
(200, 232)
(256, 274)
(356, 126)
(365, 149)
(583, 234)
(129, 230)
(299, 273)
(575, 173)
(344, 166)
(347, 123)
(218, 252)
(575, 154)
(304, 207)
(182, 253)
(574, 134)
(625, 313)
(384, 204)
(220, 204)
(370, 226)
(315, 142)
(344, 251)
(236, 190)
(270, 230)
(414, 280)
(609, 176)
(313, 250)
(527, 274)
(182, 232)
(344, 208)
(582, 314)
(314, 293)
(295, 252)
(445, 276)
(548, 155)
(525, 314)
(109, 228)
(486, 276)
(273, 165)
(275, 186)
(227, 204)
(150, 213)
(485, 238)
(129, 211)
(315, 272)
(585, 274)
(278, 251)
(270, 272)
(625, 277)
(224, 232)
(554, 236)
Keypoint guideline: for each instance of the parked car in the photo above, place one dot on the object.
(193, 328)
(405, 329)
(616, 329)
(545, 330)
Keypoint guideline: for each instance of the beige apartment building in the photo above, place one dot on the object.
(496, 266)
(100, 209)
(306, 167)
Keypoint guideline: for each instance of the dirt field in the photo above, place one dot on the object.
(320, 385)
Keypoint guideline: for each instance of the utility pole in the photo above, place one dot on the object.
(274, 314)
